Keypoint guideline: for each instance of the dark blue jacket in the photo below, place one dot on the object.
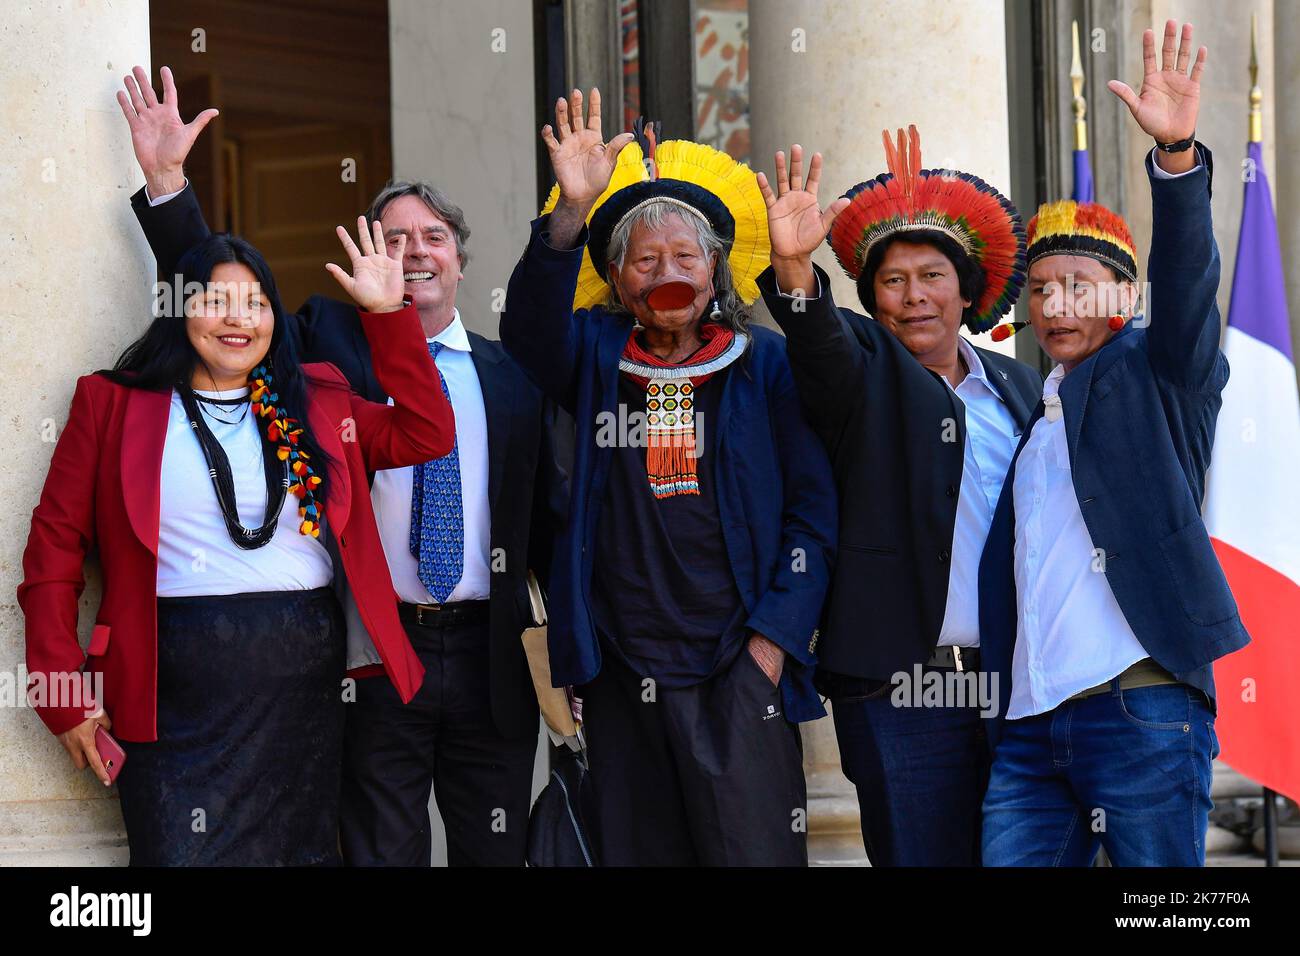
(1139, 418)
(776, 498)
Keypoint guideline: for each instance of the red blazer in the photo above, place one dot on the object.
(103, 488)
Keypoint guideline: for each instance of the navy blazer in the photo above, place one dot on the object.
(776, 499)
(1139, 419)
(896, 433)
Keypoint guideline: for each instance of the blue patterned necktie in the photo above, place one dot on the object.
(438, 516)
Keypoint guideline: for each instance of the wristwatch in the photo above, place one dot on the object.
(1179, 147)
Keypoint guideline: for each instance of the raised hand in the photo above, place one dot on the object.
(161, 141)
(582, 162)
(581, 159)
(796, 223)
(1167, 107)
(376, 280)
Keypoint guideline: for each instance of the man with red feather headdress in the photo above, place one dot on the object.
(921, 426)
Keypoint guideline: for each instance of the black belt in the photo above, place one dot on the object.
(443, 615)
(959, 658)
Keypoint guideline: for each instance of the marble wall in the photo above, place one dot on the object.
(75, 289)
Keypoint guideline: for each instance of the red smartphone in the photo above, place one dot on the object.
(111, 753)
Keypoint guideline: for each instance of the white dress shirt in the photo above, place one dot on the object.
(391, 492)
(195, 552)
(990, 442)
(162, 199)
(1070, 632)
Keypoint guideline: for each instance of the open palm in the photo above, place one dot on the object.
(796, 224)
(160, 139)
(581, 159)
(1169, 102)
(376, 281)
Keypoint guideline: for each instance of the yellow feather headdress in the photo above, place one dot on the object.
(678, 162)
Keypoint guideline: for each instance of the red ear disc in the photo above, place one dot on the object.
(1116, 322)
(671, 295)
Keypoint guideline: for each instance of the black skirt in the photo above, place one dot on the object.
(246, 768)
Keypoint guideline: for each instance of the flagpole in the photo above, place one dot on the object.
(1255, 134)
(1256, 131)
(1082, 190)
(1079, 104)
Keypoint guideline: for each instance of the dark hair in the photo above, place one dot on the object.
(164, 357)
(970, 277)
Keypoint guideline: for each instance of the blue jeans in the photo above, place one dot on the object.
(1128, 770)
(920, 774)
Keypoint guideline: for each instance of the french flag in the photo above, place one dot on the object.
(1252, 507)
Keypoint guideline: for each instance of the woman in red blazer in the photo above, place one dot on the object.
(218, 646)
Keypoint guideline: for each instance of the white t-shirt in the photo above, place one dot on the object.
(195, 553)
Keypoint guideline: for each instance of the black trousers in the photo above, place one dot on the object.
(705, 775)
(444, 739)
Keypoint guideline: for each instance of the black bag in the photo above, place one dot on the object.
(557, 831)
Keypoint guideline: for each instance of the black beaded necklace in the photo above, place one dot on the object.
(210, 405)
(277, 476)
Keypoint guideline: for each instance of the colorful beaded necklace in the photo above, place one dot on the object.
(283, 432)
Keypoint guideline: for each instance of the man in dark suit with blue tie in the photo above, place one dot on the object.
(1102, 604)
(460, 534)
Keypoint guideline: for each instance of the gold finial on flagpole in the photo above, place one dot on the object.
(1256, 95)
(1076, 82)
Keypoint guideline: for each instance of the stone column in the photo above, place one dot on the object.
(1225, 92)
(464, 118)
(76, 289)
(830, 75)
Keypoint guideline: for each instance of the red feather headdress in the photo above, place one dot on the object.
(964, 207)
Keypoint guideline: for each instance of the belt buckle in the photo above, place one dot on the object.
(421, 608)
(956, 656)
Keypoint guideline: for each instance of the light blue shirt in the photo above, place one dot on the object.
(391, 492)
(990, 442)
